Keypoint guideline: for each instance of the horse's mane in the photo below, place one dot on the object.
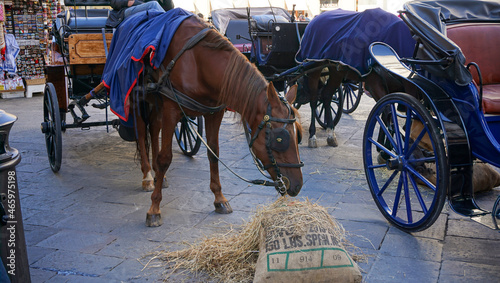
(242, 82)
(241, 85)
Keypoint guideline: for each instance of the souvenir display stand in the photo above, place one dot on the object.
(29, 21)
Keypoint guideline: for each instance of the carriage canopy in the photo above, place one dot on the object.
(428, 21)
(221, 17)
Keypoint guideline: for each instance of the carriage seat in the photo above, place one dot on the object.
(86, 20)
(479, 43)
(80, 19)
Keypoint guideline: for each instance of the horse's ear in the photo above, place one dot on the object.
(291, 95)
(272, 95)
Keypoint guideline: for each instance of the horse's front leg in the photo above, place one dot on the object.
(212, 126)
(162, 161)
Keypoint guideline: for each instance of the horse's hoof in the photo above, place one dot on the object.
(223, 208)
(164, 184)
(148, 185)
(381, 159)
(312, 142)
(331, 139)
(153, 220)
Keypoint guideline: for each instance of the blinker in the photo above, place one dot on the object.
(279, 139)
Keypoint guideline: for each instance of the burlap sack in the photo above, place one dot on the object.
(484, 177)
(295, 252)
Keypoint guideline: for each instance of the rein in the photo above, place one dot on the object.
(164, 86)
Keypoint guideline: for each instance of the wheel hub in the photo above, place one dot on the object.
(45, 127)
(395, 163)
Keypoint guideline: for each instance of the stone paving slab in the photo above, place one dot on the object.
(86, 223)
(402, 269)
(472, 250)
(457, 271)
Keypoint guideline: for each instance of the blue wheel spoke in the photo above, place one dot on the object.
(387, 183)
(418, 194)
(415, 143)
(425, 159)
(397, 133)
(377, 166)
(379, 146)
(386, 131)
(407, 130)
(422, 178)
(397, 198)
(407, 197)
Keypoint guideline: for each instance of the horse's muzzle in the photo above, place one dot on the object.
(294, 191)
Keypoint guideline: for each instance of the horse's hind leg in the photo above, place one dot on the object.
(334, 81)
(142, 145)
(154, 132)
(212, 126)
(312, 80)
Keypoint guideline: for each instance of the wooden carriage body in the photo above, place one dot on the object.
(80, 48)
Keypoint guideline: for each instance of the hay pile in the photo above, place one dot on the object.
(232, 257)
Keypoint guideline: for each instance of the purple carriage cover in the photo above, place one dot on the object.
(345, 36)
(132, 41)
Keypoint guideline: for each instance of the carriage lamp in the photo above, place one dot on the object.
(13, 254)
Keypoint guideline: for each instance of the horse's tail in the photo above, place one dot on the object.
(143, 111)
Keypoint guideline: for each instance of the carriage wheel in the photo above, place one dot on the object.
(352, 95)
(51, 127)
(335, 107)
(495, 213)
(188, 140)
(407, 180)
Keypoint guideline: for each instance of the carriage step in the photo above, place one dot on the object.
(77, 119)
(486, 220)
(100, 105)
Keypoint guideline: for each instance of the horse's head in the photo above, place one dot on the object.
(275, 137)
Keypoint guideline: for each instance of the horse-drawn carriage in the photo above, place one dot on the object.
(79, 52)
(436, 113)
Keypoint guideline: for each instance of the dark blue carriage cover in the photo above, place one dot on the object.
(149, 31)
(345, 36)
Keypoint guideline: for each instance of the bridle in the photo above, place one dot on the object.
(277, 139)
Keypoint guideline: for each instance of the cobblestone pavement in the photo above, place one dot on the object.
(86, 223)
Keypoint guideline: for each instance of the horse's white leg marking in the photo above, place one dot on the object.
(312, 142)
(148, 183)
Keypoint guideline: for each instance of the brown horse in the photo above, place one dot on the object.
(213, 73)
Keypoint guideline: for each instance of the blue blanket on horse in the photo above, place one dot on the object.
(345, 36)
(149, 31)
